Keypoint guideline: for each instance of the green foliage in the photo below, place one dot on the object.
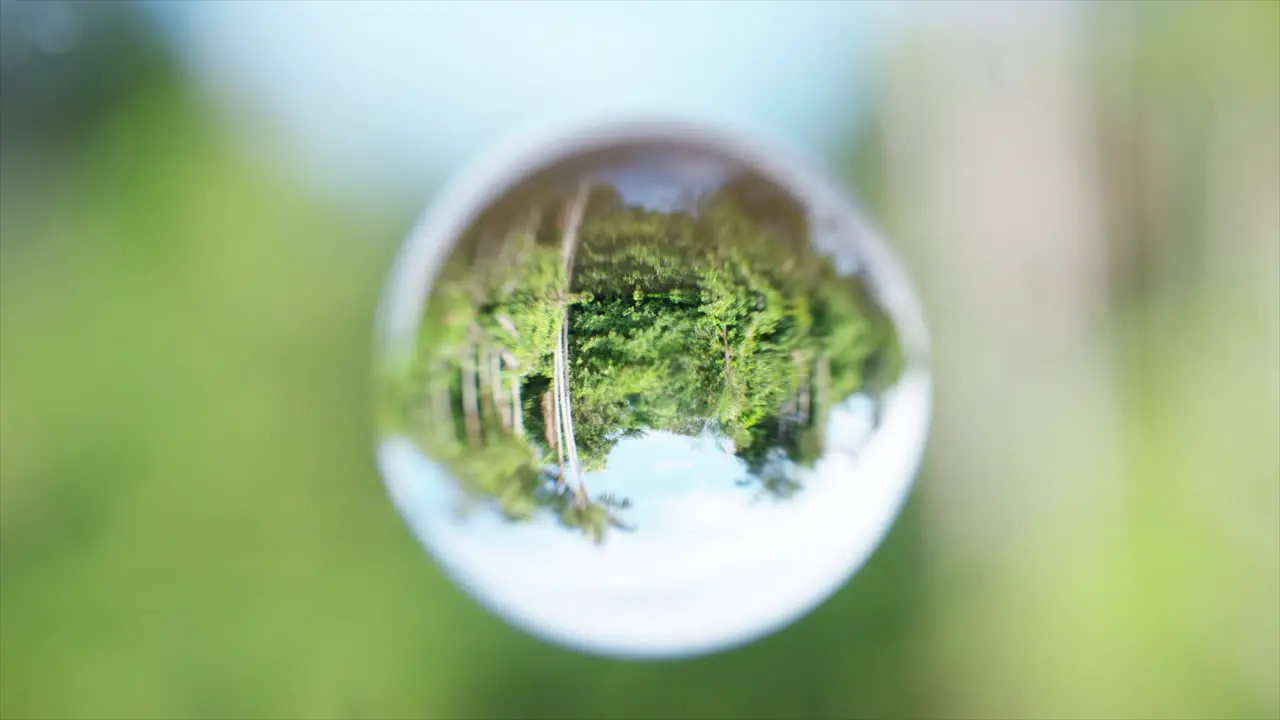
(716, 319)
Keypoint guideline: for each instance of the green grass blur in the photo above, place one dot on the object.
(191, 525)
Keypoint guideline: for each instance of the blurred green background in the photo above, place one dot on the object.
(192, 525)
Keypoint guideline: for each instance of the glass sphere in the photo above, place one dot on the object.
(649, 389)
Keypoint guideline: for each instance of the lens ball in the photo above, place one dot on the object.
(650, 389)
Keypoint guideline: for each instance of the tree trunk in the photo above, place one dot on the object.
(580, 499)
(499, 389)
(569, 247)
(803, 367)
(823, 382)
(517, 407)
(486, 389)
(549, 419)
(787, 419)
(470, 402)
(556, 431)
(573, 221)
(563, 405)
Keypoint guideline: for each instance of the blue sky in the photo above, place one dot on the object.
(386, 93)
(654, 469)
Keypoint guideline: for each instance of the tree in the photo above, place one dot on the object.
(566, 321)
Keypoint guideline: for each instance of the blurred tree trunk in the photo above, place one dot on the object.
(988, 152)
(1088, 193)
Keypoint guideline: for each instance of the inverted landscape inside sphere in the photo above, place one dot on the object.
(652, 296)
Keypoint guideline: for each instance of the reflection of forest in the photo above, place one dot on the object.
(567, 321)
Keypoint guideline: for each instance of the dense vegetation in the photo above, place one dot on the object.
(567, 320)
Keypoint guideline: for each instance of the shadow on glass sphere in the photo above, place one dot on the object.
(651, 390)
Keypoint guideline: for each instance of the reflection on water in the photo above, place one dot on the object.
(631, 368)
